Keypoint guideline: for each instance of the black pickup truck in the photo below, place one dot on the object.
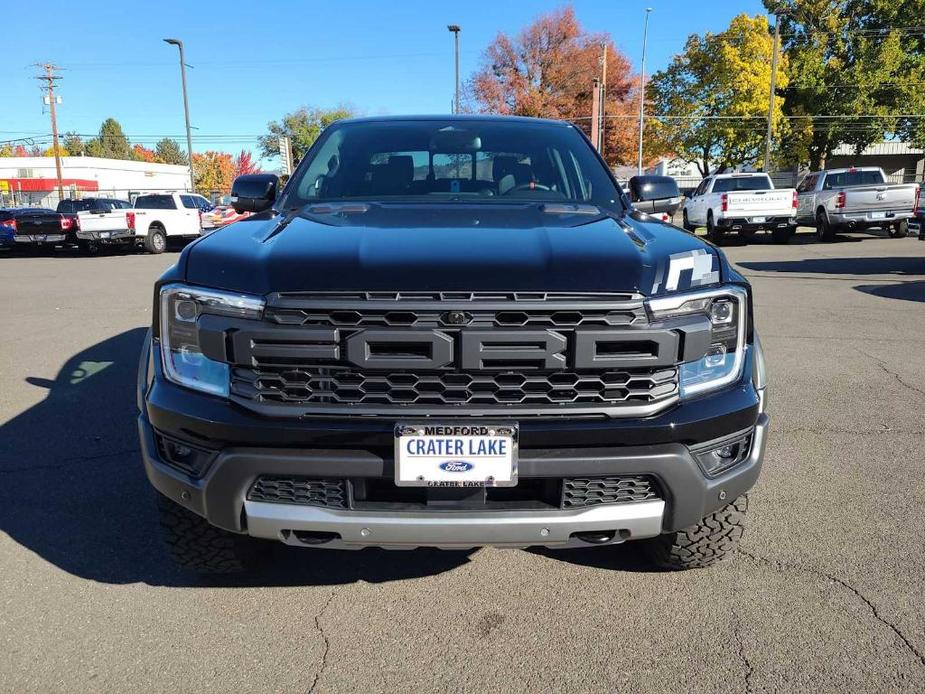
(450, 332)
(34, 227)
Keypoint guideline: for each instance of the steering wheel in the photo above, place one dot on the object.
(533, 185)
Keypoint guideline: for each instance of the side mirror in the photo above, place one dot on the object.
(655, 193)
(254, 192)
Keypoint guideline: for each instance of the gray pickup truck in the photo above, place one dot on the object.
(855, 198)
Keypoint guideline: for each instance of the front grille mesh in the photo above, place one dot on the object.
(304, 491)
(307, 386)
(579, 492)
(281, 373)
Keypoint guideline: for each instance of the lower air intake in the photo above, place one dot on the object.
(578, 492)
(299, 490)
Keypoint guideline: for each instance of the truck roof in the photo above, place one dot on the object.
(457, 117)
(744, 174)
(848, 168)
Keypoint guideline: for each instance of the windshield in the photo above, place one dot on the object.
(452, 161)
(726, 185)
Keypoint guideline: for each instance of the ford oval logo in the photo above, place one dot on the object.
(456, 466)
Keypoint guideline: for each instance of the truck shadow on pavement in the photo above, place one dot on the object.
(74, 491)
(902, 265)
(904, 291)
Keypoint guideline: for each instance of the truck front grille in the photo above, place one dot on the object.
(320, 386)
(458, 353)
(590, 491)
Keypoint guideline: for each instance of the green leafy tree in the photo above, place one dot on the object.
(6, 150)
(858, 65)
(167, 151)
(715, 97)
(72, 144)
(111, 142)
(302, 127)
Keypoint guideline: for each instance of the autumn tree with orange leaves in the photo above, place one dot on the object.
(548, 71)
(214, 172)
(244, 164)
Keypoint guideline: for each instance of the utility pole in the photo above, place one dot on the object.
(455, 29)
(189, 138)
(767, 143)
(603, 97)
(642, 88)
(49, 78)
(596, 115)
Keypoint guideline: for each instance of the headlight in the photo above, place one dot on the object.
(727, 310)
(184, 362)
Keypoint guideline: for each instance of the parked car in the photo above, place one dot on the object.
(744, 203)
(35, 227)
(498, 352)
(160, 217)
(7, 234)
(70, 209)
(855, 198)
(657, 196)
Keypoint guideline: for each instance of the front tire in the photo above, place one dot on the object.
(156, 241)
(900, 230)
(698, 546)
(196, 545)
(685, 222)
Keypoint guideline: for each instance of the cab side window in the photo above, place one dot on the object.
(189, 202)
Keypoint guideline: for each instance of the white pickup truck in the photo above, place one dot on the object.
(855, 198)
(743, 203)
(159, 217)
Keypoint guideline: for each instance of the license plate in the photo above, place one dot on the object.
(455, 455)
(878, 215)
(759, 220)
(104, 234)
(39, 237)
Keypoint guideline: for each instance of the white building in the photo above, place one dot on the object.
(33, 180)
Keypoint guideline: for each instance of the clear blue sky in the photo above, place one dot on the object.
(255, 61)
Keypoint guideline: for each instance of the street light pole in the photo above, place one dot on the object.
(642, 88)
(189, 137)
(455, 29)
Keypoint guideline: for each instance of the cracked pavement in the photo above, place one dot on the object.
(826, 594)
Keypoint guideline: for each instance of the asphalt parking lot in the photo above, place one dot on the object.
(826, 594)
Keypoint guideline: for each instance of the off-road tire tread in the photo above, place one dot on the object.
(701, 545)
(196, 545)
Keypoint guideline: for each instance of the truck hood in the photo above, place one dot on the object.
(450, 247)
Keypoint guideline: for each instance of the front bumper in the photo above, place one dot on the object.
(454, 530)
(118, 236)
(221, 495)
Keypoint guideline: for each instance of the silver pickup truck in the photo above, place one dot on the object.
(855, 198)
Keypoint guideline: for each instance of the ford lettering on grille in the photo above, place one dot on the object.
(475, 356)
